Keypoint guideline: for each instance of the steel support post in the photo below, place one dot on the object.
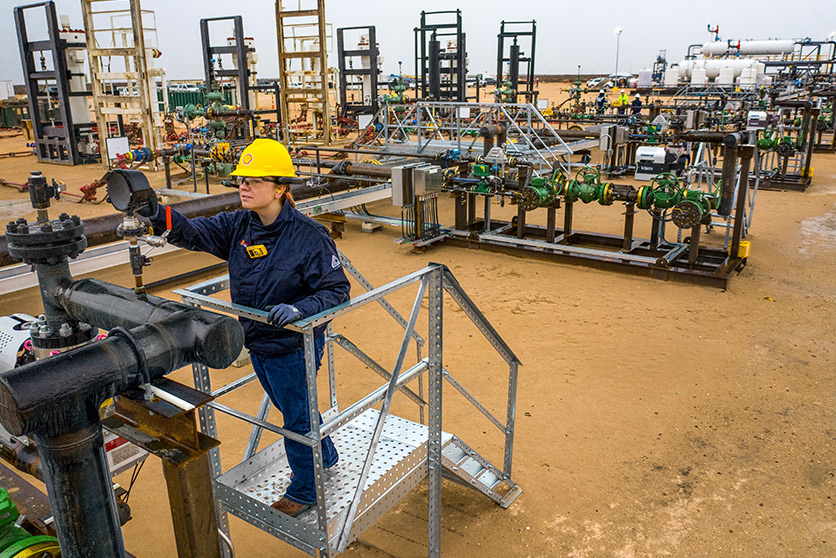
(520, 222)
(255, 433)
(694, 248)
(510, 418)
(568, 210)
(629, 217)
(810, 137)
(460, 202)
(551, 218)
(471, 209)
(313, 410)
(746, 153)
(192, 504)
(207, 425)
(434, 380)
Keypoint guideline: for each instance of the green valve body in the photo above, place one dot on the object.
(540, 193)
(481, 170)
(13, 539)
(692, 210)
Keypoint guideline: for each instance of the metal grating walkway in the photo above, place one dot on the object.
(400, 463)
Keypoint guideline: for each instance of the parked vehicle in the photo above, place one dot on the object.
(599, 83)
(183, 87)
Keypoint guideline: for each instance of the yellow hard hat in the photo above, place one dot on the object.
(264, 157)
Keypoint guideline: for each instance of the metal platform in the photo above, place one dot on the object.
(382, 456)
(426, 128)
(399, 464)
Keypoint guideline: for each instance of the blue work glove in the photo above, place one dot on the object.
(282, 314)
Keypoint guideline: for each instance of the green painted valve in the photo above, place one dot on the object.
(587, 187)
(481, 170)
(540, 193)
(692, 210)
(16, 542)
(667, 192)
(481, 187)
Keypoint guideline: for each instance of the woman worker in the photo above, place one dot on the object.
(282, 259)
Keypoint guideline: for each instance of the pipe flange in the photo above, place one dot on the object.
(529, 199)
(46, 243)
(65, 338)
(341, 168)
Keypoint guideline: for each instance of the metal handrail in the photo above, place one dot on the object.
(434, 280)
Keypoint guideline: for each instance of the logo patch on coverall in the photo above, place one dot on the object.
(335, 262)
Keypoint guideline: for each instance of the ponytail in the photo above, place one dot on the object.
(289, 197)
(286, 195)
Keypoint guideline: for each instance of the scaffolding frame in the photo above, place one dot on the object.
(311, 94)
(213, 72)
(348, 502)
(136, 104)
(528, 32)
(55, 142)
(346, 58)
(452, 77)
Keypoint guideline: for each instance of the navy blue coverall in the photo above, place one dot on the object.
(301, 268)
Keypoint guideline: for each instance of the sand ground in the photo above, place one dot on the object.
(653, 418)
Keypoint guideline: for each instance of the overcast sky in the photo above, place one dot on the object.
(568, 34)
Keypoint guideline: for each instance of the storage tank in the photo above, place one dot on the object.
(748, 77)
(645, 79)
(726, 77)
(671, 76)
(712, 67)
(749, 48)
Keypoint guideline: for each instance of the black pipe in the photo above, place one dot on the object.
(514, 66)
(206, 338)
(491, 131)
(434, 61)
(728, 175)
(794, 104)
(102, 230)
(704, 136)
(57, 400)
(23, 457)
(84, 508)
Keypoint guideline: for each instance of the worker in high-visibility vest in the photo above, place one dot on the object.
(622, 102)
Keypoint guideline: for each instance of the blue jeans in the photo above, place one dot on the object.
(283, 378)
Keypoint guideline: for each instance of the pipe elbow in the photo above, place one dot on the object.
(733, 139)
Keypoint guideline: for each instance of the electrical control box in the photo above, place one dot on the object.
(414, 179)
(651, 161)
(758, 120)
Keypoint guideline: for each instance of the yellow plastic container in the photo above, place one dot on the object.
(744, 249)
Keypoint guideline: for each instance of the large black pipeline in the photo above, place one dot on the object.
(102, 230)
(794, 104)
(57, 400)
(704, 136)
